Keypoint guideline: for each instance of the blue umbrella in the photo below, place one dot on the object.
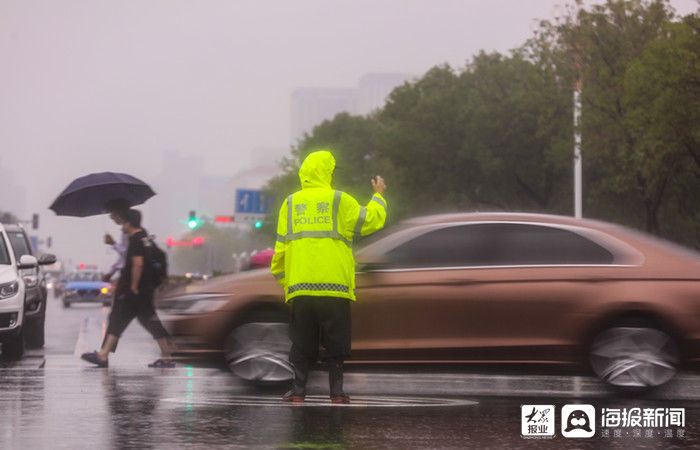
(86, 196)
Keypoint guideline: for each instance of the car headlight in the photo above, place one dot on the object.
(8, 289)
(193, 304)
(205, 306)
(106, 290)
(30, 280)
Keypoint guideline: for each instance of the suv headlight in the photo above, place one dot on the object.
(30, 280)
(8, 289)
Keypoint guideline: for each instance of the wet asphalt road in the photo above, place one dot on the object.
(51, 399)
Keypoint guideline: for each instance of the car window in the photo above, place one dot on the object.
(19, 244)
(498, 244)
(4, 255)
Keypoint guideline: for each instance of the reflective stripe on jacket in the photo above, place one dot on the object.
(315, 231)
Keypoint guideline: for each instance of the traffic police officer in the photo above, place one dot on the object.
(313, 262)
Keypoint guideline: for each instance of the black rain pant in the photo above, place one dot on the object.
(319, 318)
(324, 318)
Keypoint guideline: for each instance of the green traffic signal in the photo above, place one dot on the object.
(193, 222)
(258, 224)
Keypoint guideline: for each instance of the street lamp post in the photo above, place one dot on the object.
(577, 152)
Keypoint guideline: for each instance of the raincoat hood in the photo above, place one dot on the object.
(317, 170)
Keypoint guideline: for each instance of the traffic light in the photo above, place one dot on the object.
(35, 221)
(258, 224)
(192, 223)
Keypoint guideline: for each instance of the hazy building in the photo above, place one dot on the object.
(178, 191)
(311, 106)
(268, 156)
(375, 88)
(13, 198)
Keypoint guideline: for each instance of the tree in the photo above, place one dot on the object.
(352, 142)
(624, 169)
(8, 217)
(662, 94)
(498, 134)
(215, 254)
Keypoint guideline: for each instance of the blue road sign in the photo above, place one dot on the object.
(251, 201)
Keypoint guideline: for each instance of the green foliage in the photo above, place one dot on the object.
(8, 217)
(215, 255)
(498, 134)
(638, 68)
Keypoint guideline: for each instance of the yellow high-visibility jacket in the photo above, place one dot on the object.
(315, 230)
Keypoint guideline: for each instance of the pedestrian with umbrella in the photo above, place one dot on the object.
(114, 192)
(116, 208)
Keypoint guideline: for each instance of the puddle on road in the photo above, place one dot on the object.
(323, 401)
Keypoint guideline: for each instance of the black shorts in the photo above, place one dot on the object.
(127, 306)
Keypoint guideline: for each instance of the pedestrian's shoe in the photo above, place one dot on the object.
(342, 398)
(292, 397)
(162, 364)
(92, 357)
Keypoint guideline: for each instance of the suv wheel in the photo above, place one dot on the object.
(34, 333)
(13, 348)
(634, 355)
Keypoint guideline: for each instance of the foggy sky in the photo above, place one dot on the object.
(88, 86)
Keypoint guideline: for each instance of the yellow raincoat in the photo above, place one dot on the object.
(315, 230)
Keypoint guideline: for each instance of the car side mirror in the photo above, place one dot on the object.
(46, 259)
(27, 262)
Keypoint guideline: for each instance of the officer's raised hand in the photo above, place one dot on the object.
(378, 184)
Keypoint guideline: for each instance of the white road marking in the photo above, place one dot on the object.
(315, 401)
(80, 343)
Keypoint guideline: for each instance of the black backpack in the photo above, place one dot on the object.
(157, 261)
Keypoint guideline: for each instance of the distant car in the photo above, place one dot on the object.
(479, 288)
(194, 276)
(86, 286)
(22, 293)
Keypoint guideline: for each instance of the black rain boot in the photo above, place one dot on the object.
(335, 380)
(298, 391)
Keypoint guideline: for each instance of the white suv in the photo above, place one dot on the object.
(22, 295)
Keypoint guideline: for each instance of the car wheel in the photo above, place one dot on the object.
(259, 351)
(634, 356)
(66, 304)
(13, 348)
(34, 333)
